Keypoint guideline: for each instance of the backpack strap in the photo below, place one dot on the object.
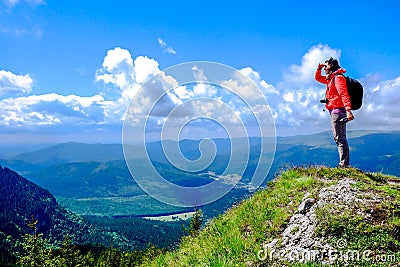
(336, 74)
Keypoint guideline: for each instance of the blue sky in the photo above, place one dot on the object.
(61, 62)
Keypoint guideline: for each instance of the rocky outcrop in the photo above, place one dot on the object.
(299, 242)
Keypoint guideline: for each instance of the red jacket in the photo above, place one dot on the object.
(336, 90)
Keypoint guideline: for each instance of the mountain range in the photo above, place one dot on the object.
(93, 179)
(87, 192)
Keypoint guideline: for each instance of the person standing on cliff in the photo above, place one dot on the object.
(337, 102)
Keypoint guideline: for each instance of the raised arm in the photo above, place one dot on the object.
(319, 77)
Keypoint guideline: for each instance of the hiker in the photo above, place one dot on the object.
(337, 102)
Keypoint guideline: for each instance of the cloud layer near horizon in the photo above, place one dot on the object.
(294, 102)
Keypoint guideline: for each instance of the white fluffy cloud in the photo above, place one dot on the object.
(117, 68)
(294, 101)
(51, 109)
(255, 77)
(144, 68)
(118, 58)
(11, 83)
(121, 71)
(303, 74)
(125, 77)
(297, 102)
(380, 108)
(30, 112)
(156, 98)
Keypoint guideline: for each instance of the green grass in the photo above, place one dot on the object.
(234, 238)
(379, 234)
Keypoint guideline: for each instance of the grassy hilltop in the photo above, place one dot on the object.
(315, 216)
(364, 231)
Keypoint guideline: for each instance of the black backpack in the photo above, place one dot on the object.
(355, 90)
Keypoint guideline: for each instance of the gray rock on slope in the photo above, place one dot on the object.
(298, 241)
